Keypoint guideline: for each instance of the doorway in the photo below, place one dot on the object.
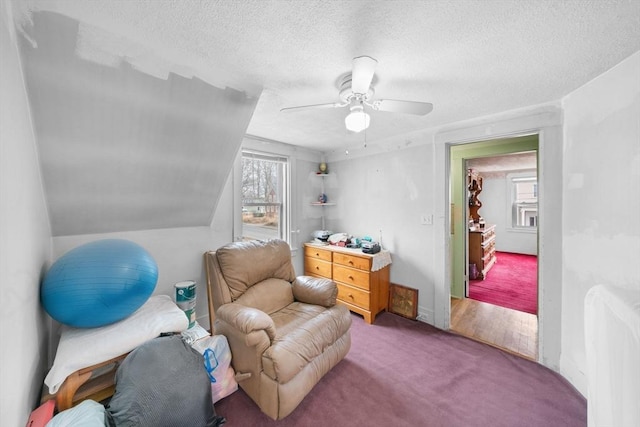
(506, 223)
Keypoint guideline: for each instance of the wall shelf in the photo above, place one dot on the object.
(322, 192)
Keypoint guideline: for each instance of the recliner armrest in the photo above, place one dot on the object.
(315, 290)
(247, 319)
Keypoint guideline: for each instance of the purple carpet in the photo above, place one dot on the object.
(512, 282)
(401, 372)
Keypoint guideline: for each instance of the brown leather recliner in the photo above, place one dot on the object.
(285, 333)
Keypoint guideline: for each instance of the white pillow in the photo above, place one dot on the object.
(79, 348)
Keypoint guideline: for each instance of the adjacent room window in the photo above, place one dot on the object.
(524, 201)
(265, 189)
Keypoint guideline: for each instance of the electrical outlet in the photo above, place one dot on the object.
(425, 316)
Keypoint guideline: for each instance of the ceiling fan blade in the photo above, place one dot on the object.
(362, 73)
(314, 107)
(407, 107)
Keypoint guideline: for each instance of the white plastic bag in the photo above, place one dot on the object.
(217, 355)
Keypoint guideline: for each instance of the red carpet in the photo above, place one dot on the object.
(512, 282)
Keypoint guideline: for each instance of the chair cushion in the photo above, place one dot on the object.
(304, 332)
(315, 290)
(243, 264)
(268, 295)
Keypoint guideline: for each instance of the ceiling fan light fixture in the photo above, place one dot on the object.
(357, 120)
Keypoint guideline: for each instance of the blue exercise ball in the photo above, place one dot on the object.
(99, 283)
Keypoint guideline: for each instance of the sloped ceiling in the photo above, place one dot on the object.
(138, 104)
(121, 149)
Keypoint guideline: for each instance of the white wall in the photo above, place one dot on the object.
(601, 199)
(25, 245)
(391, 186)
(177, 251)
(495, 210)
(588, 230)
(385, 194)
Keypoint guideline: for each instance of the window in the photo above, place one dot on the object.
(265, 189)
(524, 201)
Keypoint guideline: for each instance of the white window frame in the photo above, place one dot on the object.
(285, 203)
(513, 207)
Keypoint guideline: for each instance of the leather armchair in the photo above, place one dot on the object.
(285, 332)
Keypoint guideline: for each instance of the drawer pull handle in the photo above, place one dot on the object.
(351, 277)
(350, 296)
(317, 267)
(350, 262)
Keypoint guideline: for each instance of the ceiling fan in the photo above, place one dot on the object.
(356, 92)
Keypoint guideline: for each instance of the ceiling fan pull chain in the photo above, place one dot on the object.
(365, 137)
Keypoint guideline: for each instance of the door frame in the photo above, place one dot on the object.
(546, 120)
(459, 154)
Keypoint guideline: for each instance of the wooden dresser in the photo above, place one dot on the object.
(364, 291)
(482, 249)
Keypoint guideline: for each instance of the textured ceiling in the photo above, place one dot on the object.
(469, 58)
(498, 166)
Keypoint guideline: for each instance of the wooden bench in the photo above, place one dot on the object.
(95, 382)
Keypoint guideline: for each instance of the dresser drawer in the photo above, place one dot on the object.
(488, 255)
(488, 241)
(317, 267)
(317, 253)
(489, 248)
(351, 276)
(489, 234)
(360, 263)
(354, 296)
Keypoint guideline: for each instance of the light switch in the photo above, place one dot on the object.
(426, 219)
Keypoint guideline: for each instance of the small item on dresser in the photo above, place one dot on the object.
(338, 239)
(370, 247)
(322, 198)
(354, 243)
(321, 235)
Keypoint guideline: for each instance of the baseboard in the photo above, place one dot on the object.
(569, 369)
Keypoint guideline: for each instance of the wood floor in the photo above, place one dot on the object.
(509, 330)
